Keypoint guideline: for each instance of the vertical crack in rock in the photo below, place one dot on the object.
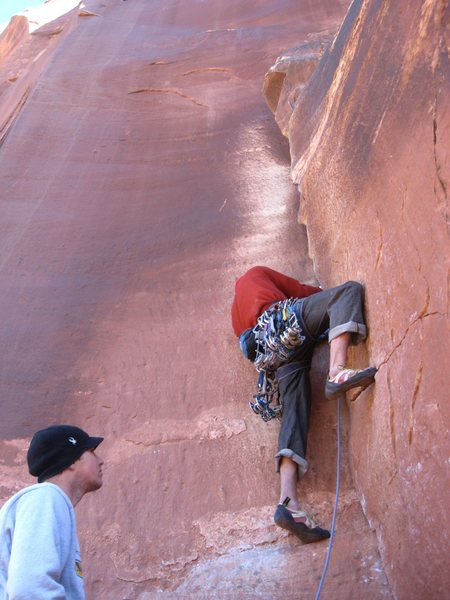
(438, 167)
(379, 251)
(417, 383)
(441, 51)
(441, 195)
(6, 128)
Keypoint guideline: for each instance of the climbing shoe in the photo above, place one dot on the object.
(347, 379)
(299, 523)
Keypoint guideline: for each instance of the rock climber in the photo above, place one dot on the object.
(39, 550)
(278, 321)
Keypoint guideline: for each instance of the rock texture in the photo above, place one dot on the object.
(369, 140)
(26, 47)
(142, 173)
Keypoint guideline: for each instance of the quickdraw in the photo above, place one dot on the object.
(278, 335)
(267, 392)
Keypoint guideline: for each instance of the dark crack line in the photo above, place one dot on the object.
(13, 116)
(442, 49)
(397, 346)
(167, 91)
(417, 384)
(436, 161)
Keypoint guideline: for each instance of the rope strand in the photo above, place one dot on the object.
(338, 479)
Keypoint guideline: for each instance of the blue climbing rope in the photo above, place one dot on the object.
(338, 481)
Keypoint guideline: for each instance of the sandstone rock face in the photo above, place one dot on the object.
(141, 174)
(13, 36)
(370, 137)
(23, 56)
(283, 83)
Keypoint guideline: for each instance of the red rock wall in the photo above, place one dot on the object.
(15, 34)
(141, 175)
(23, 57)
(370, 138)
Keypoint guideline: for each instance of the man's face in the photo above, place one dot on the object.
(88, 470)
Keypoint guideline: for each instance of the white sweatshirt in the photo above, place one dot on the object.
(39, 551)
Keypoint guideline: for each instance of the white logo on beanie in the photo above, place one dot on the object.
(72, 440)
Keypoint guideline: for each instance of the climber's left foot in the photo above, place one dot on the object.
(299, 523)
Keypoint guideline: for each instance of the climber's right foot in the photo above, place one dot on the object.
(348, 379)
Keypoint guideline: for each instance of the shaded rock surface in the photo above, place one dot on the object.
(369, 140)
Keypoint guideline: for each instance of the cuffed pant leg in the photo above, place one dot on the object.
(339, 309)
(295, 394)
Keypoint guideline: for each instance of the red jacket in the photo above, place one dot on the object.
(257, 289)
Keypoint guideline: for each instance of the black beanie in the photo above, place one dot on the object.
(57, 447)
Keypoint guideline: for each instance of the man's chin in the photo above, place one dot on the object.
(95, 485)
